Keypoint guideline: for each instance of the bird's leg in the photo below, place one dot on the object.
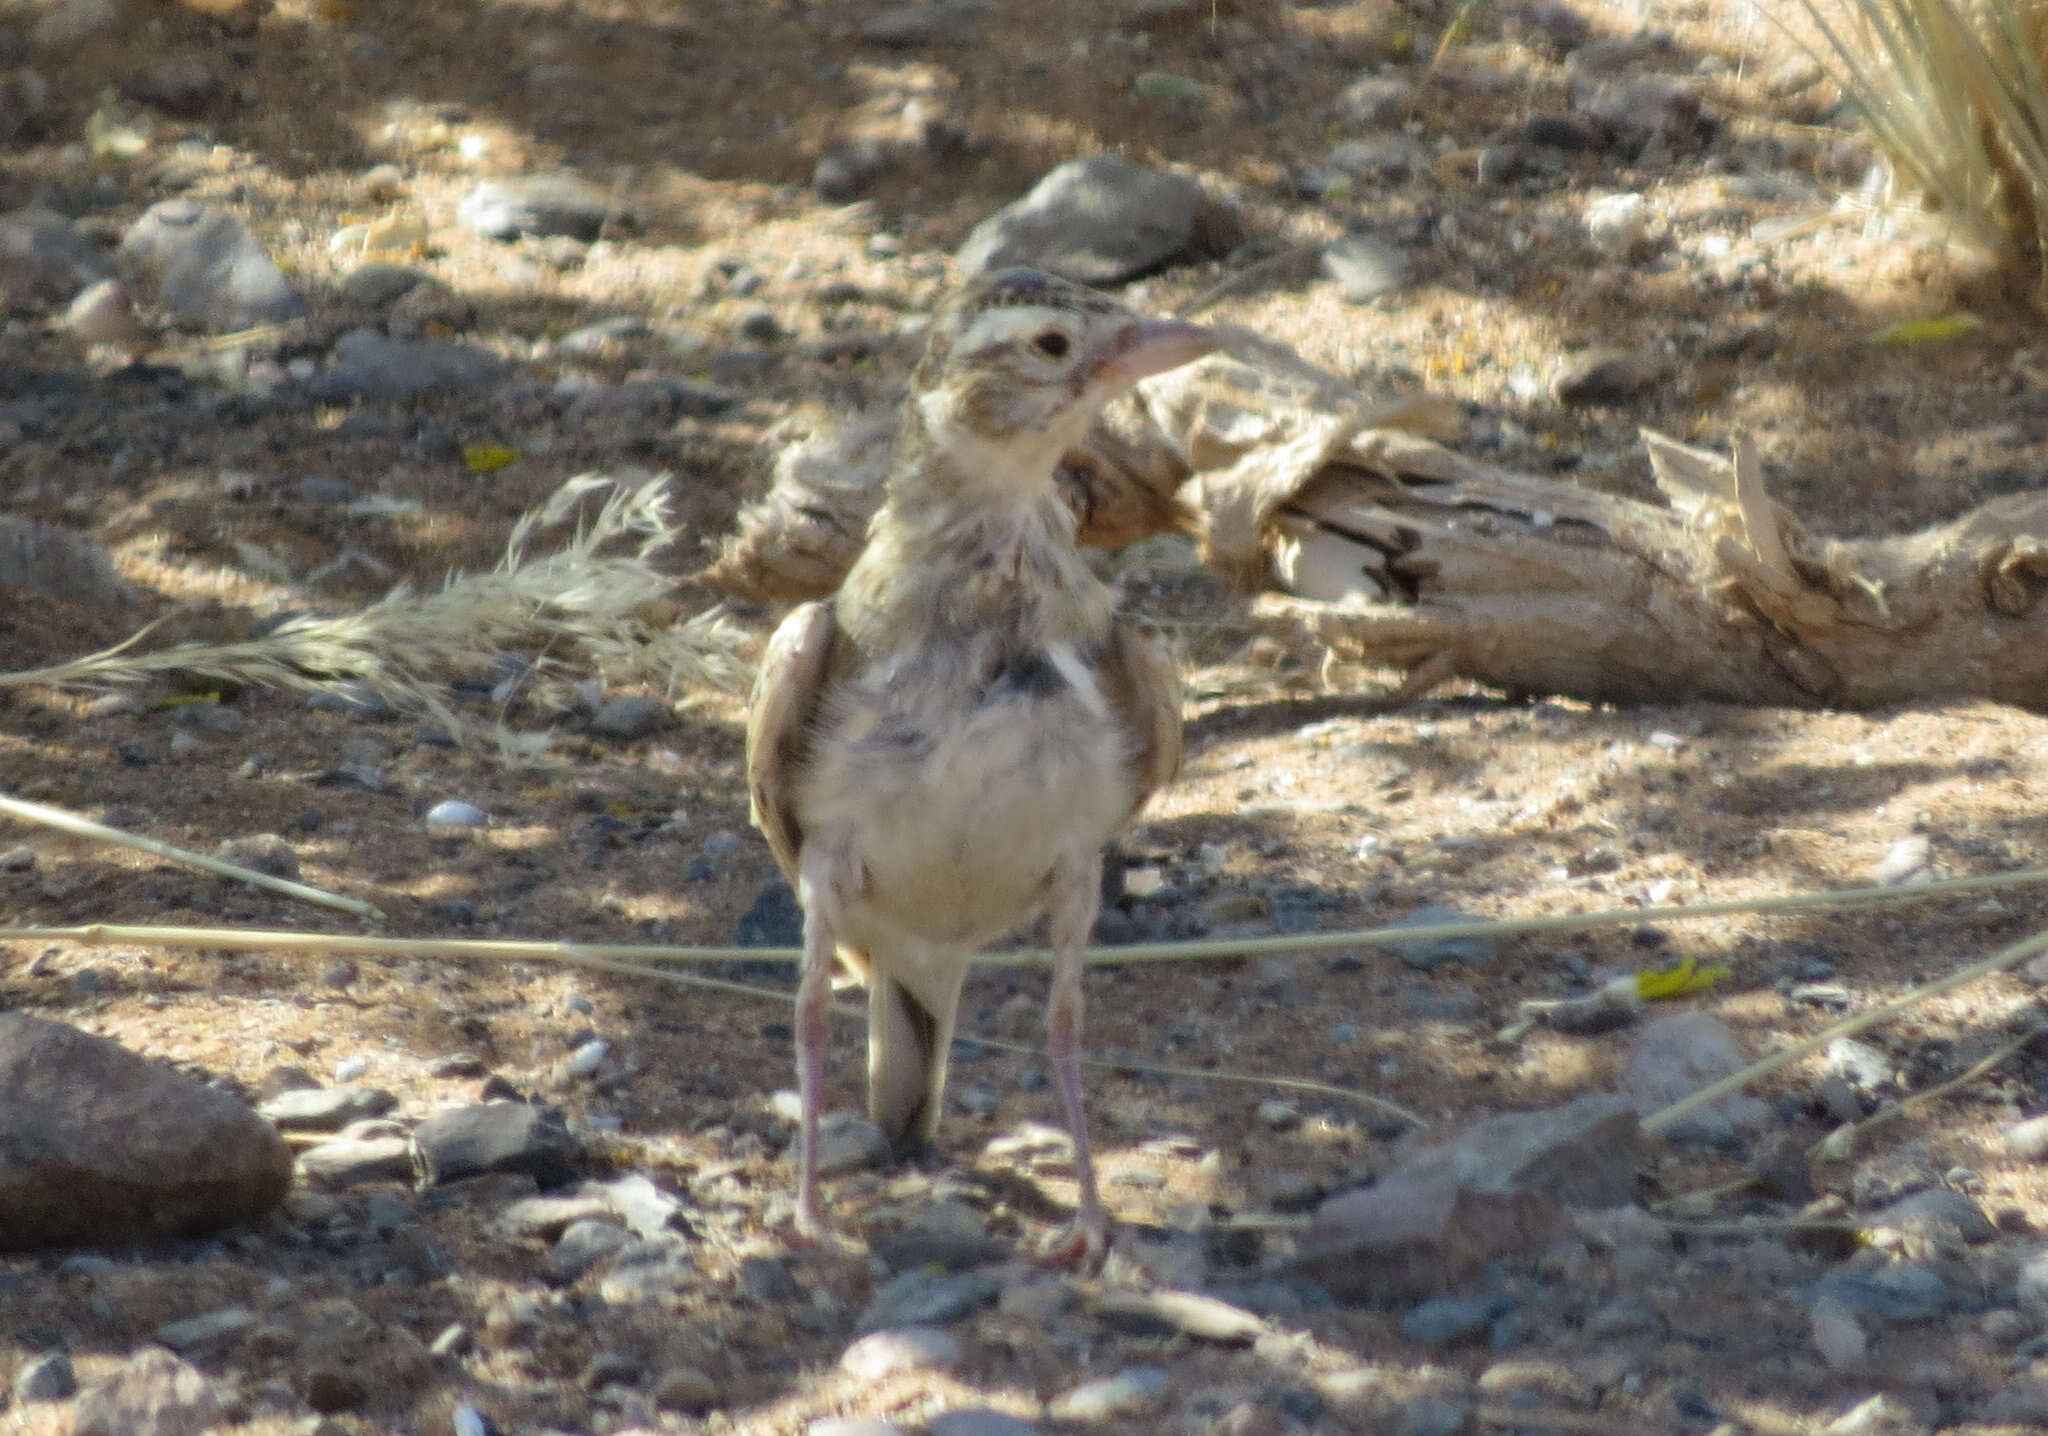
(1076, 898)
(826, 875)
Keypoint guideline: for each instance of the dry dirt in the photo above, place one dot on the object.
(707, 118)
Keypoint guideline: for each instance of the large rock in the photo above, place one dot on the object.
(1678, 1054)
(99, 1145)
(1095, 221)
(1500, 1188)
(207, 269)
(44, 260)
(155, 1394)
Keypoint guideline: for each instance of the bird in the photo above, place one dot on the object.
(938, 752)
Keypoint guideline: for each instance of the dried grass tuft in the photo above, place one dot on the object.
(1954, 92)
(594, 605)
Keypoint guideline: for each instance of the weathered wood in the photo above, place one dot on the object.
(1354, 527)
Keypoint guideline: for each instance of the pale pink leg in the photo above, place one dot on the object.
(1077, 896)
(826, 875)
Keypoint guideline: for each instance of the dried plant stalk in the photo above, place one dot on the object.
(596, 598)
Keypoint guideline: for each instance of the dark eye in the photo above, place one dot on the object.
(1052, 344)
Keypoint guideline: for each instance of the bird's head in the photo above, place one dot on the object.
(1019, 364)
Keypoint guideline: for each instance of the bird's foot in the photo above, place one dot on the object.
(812, 1233)
(1081, 1248)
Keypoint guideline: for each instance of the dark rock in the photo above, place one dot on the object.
(1904, 1292)
(181, 85)
(921, 1298)
(495, 1137)
(634, 715)
(1095, 221)
(369, 366)
(1429, 952)
(44, 260)
(99, 1145)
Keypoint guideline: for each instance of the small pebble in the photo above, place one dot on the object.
(909, 1348)
(1134, 1391)
(454, 813)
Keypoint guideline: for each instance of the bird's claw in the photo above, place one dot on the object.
(1081, 1248)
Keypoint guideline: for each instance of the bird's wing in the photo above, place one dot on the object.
(779, 719)
(1144, 685)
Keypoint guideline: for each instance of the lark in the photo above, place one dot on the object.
(938, 752)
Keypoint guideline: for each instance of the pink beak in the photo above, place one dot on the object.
(1153, 346)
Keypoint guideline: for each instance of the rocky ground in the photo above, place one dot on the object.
(307, 300)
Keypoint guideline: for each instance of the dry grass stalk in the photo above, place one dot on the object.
(591, 604)
(83, 827)
(1956, 93)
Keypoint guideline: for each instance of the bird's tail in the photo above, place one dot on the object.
(910, 1037)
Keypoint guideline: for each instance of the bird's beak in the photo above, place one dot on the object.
(1153, 346)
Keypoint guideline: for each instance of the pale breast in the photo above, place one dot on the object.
(961, 791)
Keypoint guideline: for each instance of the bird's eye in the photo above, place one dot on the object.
(1052, 344)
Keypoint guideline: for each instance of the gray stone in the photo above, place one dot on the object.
(854, 1428)
(899, 1349)
(455, 813)
(849, 1142)
(44, 260)
(1374, 102)
(1902, 1292)
(2027, 1140)
(634, 715)
(1607, 376)
(1675, 1056)
(978, 1421)
(947, 1235)
(2032, 1285)
(1861, 1066)
(181, 85)
(373, 286)
(1937, 1215)
(1429, 952)
(1364, 267)
(65, 25)
(99, 1145)
(1499, 1188)
(1447, 1320)
(369, 366)
(495, 1137)
(326, 1109)
(1389, 157)
(582, 1247)
(154, 1394)
(1186, 1312)
(1095, 221)
(207, 269)
(350, 1162)
(1134, 1391)
(1892, 1174)
(1432, 1416)
(542, 205)
(202, 1333)
(649, 1270)
(920, 1298)
(266, 853)
(905, 27)
(45, 1378)
(60, 563)
(24, 103)
(646, 1208)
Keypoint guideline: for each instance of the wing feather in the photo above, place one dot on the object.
(780, 717)
(1144, 685)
